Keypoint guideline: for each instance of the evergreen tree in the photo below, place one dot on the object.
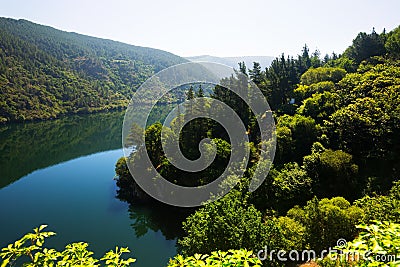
(365, 46)
(315, 60)
(256, 74)
(304, 60)
(243, 68)
(190, 94)
(200, 92)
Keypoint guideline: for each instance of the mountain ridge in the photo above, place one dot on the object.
(265, 61)
(46, 73)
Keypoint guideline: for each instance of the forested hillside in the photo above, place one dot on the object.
(336, 163)
(45, 72)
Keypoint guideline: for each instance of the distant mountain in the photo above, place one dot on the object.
(45, 72)
(265, 61)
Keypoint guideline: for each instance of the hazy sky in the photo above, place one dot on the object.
(215, 27)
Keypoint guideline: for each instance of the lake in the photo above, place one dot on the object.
(60, 173)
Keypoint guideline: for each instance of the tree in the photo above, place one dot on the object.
(197, 127)
(304, 132)
(370, 103)
(292, 186)
(305, 91)
(153, 143)
(366, 118)
(304, 60)
(285, 145)
(228, 223)
(315, 59)
(342, 62)
(293, 233)
(392, 44)
(283, 188)
(281, 78)
(225, 93)
(320, 106)
(322, 74)
(242, 68)
(333, 173)
(256, 74)
(365, 46)
(326, 221)
(190, 94)
(381, 207)
(200, 92)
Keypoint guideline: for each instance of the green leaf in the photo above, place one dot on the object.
(42, 227)
(5, 262)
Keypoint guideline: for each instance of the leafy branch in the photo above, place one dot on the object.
(30, 246)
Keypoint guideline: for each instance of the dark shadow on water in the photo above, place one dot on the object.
(158, 217)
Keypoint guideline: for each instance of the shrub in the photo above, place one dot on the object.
(326, 221)
(231, 258)
(30, 247)
(378, 245)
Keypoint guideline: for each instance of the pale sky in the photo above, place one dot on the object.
(215, 27)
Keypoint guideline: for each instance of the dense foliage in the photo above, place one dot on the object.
(337, 157)
(29, 251)
(45, 73)
(337, 162)
(232, 258)
(378, 244)
(229, 223)
(326, 221)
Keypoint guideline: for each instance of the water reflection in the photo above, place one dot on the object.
(76, 194)
(27, 147)
(158, 217)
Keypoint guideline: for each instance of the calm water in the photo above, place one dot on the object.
(61, 173)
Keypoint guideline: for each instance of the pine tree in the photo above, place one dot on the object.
(190, 96)
(304, 60)
(243, 68)
(200, 93)
(256, 74)
(190, 93)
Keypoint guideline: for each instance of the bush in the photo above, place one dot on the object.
(326, 221)
(381, 208)
(293, 233)
(228, 223)
(319, 106)
(322, 74)
(304, 91)
(291, 186)
(30, 247)
(303, 133)
(231, 258)
(377, 245)
(333, 173)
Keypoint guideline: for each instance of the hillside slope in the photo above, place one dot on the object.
(45, 72)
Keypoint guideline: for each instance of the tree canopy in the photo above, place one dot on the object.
(337, 127)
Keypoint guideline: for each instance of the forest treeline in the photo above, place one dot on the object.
(337, 158)
(45, 73)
